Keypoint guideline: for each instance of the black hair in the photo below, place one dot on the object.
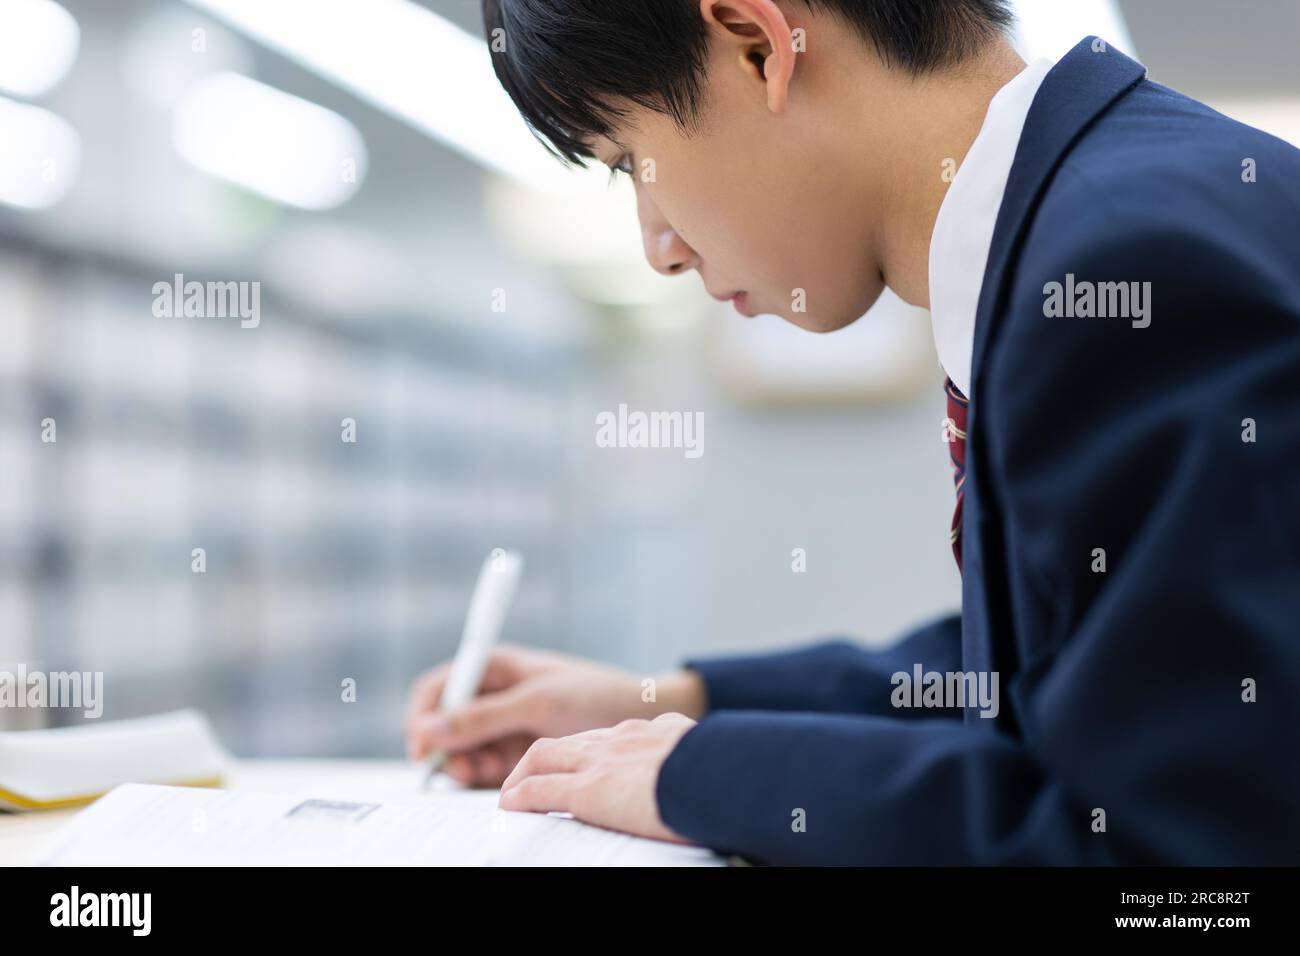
(571, 66)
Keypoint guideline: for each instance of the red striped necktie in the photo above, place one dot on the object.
(954, 433)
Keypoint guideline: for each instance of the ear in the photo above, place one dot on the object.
(759, 35)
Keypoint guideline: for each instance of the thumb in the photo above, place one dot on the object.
(483, 719)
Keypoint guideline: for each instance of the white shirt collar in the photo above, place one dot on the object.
(963, 231)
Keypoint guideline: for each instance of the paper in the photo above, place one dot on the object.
(146, 825)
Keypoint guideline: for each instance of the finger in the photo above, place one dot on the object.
(550, 755)
(488, 765)
(541, 794)
(487, 718)
(460, 768)
(425, 727)
(499, 758)
(596, 733)
(426, 690)
(520, 662)
(421, 733)
(483, 719)
(493, 766)
(504, 669)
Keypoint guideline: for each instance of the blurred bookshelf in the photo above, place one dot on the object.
(325, 560)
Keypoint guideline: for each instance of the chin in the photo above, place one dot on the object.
(821, 323)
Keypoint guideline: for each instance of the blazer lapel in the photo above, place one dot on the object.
(1076, 91)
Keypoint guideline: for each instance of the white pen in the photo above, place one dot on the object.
(497, 583)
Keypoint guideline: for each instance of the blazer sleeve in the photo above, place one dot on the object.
(835, 676)
(1135, 702)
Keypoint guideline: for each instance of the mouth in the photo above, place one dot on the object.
(739, 300)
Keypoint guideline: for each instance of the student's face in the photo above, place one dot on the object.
(750, 204)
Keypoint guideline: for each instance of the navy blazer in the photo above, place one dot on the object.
(1150, 710)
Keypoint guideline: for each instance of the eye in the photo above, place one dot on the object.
(621, 164)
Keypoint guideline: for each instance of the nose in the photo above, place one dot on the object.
(666, 251)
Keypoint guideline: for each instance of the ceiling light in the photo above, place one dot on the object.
(40, 158)
(38, 44)
(270, 142)
(413, 64)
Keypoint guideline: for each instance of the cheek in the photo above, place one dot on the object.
(707, 192)
(813, 277)
(710, 215)
(763, 222)
(819, 244)
(836, 308)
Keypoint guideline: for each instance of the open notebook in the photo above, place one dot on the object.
(68, 766)
(146, 825)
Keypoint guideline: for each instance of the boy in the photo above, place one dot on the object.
(1113, 275)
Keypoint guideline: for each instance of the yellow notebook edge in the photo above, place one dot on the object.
(17, 802)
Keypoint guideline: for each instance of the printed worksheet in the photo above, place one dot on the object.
(145, 825)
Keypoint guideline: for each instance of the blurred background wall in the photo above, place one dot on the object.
(470, 310)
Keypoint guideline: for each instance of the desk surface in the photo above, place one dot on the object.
(23, 836)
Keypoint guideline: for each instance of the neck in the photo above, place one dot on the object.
(953, 105)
